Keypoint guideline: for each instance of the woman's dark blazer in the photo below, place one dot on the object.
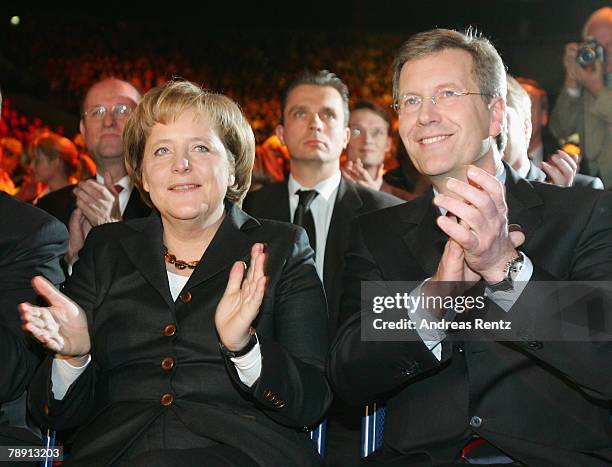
(121, 283)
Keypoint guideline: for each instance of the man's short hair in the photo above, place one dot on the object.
(488, 68)
(364, 104)
(540, 91)
(518, 99)
(317, 78)
(165, 104)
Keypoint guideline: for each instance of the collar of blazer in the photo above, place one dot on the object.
(143, 245)
(426, 241)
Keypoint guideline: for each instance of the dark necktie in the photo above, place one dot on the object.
(303, 215)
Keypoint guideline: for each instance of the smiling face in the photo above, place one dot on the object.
(442, 141)
(186, 169)
(313, 124)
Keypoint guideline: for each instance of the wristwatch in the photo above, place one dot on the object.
(511, 272)
(243, 351)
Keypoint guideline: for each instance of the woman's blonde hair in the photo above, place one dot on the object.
(164, 104)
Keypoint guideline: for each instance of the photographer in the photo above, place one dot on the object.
(585, 104)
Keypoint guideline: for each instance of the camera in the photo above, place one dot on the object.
(590, 52)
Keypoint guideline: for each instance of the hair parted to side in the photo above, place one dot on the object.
(317, 78)
(488, 67)
(164, 104)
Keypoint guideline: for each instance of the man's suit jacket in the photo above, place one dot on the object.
(536, 174)
(31, 243)
(543, 403)
(62, 202)
(272, 202)
(121, 282)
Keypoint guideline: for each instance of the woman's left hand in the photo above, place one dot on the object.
(240, 303)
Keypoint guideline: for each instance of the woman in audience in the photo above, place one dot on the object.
(168, 352)
(54, 161)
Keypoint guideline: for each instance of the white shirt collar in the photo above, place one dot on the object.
(325, 188)
(125, 181)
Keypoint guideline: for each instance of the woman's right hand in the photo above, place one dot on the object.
(62, 326)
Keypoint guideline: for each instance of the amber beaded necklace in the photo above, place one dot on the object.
(179, 263)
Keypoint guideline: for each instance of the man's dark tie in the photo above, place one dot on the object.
(303, 215)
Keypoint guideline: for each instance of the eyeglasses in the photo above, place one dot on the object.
(446, 98)
(117, 111)
(374, 133)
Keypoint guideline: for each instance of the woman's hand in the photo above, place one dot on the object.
(62, 326)
(240, 303)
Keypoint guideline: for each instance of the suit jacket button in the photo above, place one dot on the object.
(185, 297)
(536, 345)
(475, 421)
(170, 330)
(280, 403)
(46, 408)
(167, 399)
(268, 393)
(167, 363)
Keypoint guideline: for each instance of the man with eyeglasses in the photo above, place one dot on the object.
(531, 394)
(111, 196)
(369, 143)
(314, 127)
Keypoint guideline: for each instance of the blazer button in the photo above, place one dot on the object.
(535, 345)
(268, 393)
(167, 399)
(167, 363)
(185, 297)
(280, 404)
(475, 421)
(46, 408)
(170, 330)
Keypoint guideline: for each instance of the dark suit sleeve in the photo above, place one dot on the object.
(541, 310)
(292, 388)
(77, 405)
(363, 371)
(37, 254)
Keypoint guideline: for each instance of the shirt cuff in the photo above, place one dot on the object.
(248, 366)
(432, 338)
(63, 374)
(506, 299)
(573, 92)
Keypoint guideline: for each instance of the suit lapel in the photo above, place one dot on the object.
(135, 207)
(425, 239)
(144, 247)
(275, 204)
(347, 204)
(522, 198)
(535, 174)
(230, 244)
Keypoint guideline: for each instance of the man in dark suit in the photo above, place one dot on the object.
(314, 127)
(560, 169)
(450, 395)
(111, 196)
(30, 244)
